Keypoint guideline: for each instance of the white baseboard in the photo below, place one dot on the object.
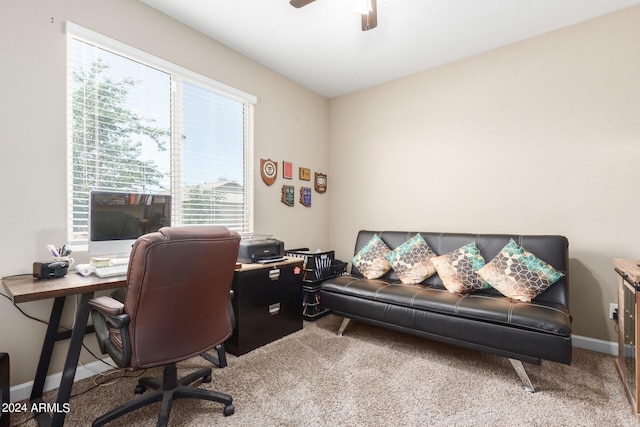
(23, 391)
(600, 346)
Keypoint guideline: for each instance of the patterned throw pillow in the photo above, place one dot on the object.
(412, 260)
(458, 269)
(371, 260)
(519, 274)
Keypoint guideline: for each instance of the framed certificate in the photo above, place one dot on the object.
(287, 170)
(305, 174)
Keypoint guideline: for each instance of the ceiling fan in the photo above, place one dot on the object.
(366, 8)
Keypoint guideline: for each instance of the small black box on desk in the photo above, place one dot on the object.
(50, 269)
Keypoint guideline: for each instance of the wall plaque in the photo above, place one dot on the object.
(305, 196)
(288, 196)
(320, 182)
(305, 174)
(287, 170)
(268, 171)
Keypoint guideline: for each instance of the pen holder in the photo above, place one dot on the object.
(69, 260)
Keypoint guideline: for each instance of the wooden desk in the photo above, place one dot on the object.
(25, 288)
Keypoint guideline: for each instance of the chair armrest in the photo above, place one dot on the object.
(112, 329)
(107, 305)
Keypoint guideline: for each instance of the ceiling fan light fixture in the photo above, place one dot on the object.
(370, 20)
(363, 7)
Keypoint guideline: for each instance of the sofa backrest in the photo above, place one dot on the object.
(552, 249)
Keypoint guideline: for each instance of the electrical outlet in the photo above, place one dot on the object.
(613, 307)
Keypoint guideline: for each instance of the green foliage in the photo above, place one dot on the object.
(201, 206)
(107, 135)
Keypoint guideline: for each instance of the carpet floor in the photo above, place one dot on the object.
(373, 377)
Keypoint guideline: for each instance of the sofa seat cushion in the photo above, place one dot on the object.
(489, 306)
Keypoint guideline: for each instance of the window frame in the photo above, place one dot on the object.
(78, 32)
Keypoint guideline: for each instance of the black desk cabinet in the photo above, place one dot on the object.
(267, 304)
(4, 389)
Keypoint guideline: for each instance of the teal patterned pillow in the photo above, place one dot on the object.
(371, 260)
(519, 274)
(458, 269)
(412, 260)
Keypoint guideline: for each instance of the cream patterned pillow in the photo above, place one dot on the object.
(458, 269)
(412, 260)
(371, 260)
(519, 274)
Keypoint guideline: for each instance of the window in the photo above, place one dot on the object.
(139, 123)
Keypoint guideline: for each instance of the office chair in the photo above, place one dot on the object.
(177, 306)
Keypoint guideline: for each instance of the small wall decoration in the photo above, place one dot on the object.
(287, 170)
(305, 196)
(305, 174)
(268, 171)
(320, 182)
(288, 196)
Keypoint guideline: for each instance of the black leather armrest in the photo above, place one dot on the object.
(112, 329)
(107, 305)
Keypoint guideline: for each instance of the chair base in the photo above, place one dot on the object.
(221, 360)
(167, 390)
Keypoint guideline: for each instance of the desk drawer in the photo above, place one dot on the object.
(264, 325)
(257, 289)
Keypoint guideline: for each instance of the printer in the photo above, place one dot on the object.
(260, 249)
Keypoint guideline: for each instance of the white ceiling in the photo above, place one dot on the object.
(321, 46)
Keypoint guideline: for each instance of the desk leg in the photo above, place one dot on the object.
(50, 339)
(73, 355)
(70, 364)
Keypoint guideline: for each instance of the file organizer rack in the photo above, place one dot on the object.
(316, 268)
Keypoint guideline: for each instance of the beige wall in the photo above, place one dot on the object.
(291, 123)
(539, 137)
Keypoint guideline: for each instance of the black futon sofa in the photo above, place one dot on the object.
(483, 320)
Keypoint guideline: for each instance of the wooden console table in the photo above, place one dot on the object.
(628, 309)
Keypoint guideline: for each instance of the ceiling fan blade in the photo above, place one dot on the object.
(370, 21)
(300, 3)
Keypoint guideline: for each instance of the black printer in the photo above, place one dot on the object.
(260, 249)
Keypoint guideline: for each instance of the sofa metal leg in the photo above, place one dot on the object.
(343, 326)
(522, 373)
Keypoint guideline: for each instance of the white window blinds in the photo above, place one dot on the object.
(138, 123)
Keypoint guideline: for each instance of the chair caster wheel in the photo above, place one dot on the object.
(206, 378)
(140, 389)
(228, 410)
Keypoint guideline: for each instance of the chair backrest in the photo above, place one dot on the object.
(178, 292)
